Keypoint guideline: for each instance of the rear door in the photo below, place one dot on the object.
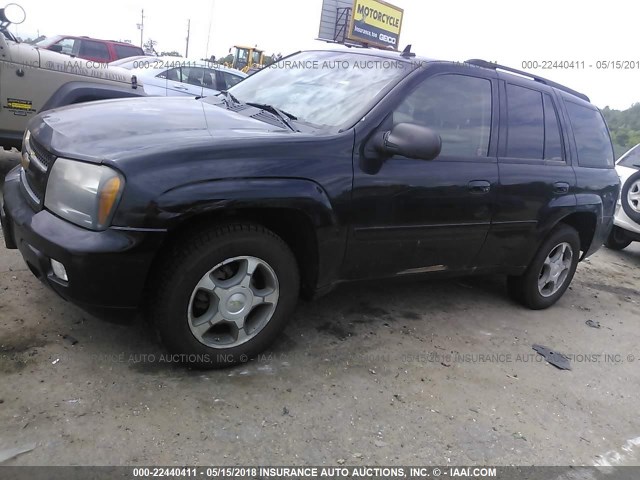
(95, 51)
(537, 181)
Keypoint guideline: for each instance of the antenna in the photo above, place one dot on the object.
(186, 54)
(406, 53)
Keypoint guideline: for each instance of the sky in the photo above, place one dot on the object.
(507, 31)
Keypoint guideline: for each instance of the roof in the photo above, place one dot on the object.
(419, 60)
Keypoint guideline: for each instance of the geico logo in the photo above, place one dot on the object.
(387, 38)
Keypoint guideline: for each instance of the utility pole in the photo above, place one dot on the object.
(186, 55)
(141, 28)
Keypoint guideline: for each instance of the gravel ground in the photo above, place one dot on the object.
(373, 374)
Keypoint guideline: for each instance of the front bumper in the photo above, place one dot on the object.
(106, 270)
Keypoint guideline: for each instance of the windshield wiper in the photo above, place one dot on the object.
(281, 114)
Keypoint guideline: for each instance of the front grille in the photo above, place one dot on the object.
(46, 158)
(34, 177)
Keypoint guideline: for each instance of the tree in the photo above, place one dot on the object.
(150, 47)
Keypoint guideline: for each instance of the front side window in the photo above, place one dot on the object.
(525, 123)
(457, 107)
(229, 80)
(68, 46)
(591, 135)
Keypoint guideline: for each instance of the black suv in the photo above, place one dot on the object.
(213, 215)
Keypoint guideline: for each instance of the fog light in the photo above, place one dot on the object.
(59, 270)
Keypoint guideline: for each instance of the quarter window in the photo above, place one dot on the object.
(525, 123)
(457, 107)
(124, 51)
(592, 137)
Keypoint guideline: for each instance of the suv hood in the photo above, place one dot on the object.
(34, 57)
(119, 129)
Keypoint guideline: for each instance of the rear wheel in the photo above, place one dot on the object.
(550, 272)
(225, 295)
(617, 239)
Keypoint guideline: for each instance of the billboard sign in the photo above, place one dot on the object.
(375, 22)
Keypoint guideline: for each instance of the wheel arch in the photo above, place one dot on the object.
(586, 224)
(296, 210)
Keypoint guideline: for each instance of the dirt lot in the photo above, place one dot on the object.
(421, 373)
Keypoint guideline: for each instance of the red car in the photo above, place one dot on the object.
(90, 48)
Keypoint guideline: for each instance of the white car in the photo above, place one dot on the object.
(175, 76)
(627, 217)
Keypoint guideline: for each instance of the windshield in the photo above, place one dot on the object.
(327, 89)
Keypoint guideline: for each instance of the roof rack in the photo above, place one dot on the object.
(496, 66)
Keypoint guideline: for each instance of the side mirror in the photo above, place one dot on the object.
(13, 13)
(410, 140)
(56, 48)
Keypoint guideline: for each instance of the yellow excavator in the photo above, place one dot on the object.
(247, 59)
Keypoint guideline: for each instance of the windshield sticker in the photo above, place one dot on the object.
(19, 107)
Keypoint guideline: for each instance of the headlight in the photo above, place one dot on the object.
(83, 193)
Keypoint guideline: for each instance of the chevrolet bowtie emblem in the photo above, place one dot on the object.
(25, 159)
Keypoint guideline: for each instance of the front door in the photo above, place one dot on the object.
(415, 216)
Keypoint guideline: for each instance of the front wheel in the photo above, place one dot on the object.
(550, 272)
(225, 295)
(617, 239)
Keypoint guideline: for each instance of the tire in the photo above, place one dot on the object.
(630, 197)
(617, 239)
(256, 281)
(525, 288)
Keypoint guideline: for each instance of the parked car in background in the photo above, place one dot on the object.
(212, 215)
(175, 76)
(33, 79)
(103, 51)
(627, 218)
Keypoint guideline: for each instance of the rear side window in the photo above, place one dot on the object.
(592, 138)
(525, 117)
(124, 51)
(457, 107)
(94, 50)
(631, 158)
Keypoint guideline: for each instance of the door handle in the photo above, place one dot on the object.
(180, 87)
(479, 186)
(561, 187)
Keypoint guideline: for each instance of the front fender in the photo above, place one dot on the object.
(182, 203)
(233, 197)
